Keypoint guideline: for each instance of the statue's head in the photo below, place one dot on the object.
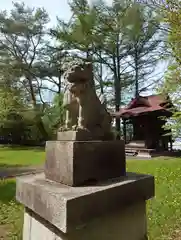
(79, 77)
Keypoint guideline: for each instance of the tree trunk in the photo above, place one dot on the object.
(59, 84)
(38, 119)
(117, 88)
(117, 85)
(136, 73)
(41, 127)
(124, 130)
(100, 76)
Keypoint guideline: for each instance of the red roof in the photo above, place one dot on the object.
(142, 105)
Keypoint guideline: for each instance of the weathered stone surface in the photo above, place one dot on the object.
(79, 162)
(125, 224)
(84, 109)
(79, 135)
(68, 208)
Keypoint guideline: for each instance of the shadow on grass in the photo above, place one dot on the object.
(10, 171)
(7, 190)
(4, 166)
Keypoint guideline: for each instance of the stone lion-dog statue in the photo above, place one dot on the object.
(84, 110)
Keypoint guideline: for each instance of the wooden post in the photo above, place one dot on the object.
(171, 143)
(124, 130)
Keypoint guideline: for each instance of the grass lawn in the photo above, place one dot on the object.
(21, 156)
(11, 212)
(164, 211)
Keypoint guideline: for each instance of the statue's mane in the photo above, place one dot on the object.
(75, 68)
(68, 65)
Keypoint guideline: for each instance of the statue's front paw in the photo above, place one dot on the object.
(61, 129)
(74, 128)
(81, 127)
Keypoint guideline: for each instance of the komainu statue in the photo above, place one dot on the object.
(84, 110)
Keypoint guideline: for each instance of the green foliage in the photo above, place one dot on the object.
(54, 115)
(22, 47)
(22, 39)
(17, 120)
(172, 83)
(142, 32)
(11, 114)
(121, 46)
(11, 107)
(172, 16)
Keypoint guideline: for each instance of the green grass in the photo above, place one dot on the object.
(11, 212)
(17, 157)
(164, 211)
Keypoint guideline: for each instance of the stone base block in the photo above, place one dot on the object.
(80, 135)
(78, 163)
(70, 208)
(127, 224)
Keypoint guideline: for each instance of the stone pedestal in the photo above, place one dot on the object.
(84, 192)
(75, 162)
(109, 210)
(128, 224)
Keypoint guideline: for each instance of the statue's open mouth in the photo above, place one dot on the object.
(76, 81)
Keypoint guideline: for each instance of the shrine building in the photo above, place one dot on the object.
(144, 118)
